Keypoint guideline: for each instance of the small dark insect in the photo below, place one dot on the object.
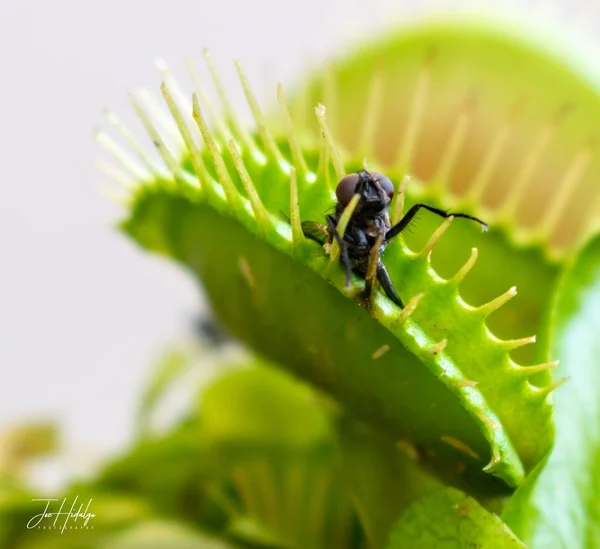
(369, 226)
(210, 330)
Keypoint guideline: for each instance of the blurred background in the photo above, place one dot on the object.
(83, 313)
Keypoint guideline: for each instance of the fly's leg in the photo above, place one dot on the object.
(343, 248)
(386, 284)
(410, 214)
(371, 274)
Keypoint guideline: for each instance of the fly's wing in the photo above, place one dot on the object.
(312, 230)
(315, 231)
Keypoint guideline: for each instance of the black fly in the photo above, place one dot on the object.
(369, 225)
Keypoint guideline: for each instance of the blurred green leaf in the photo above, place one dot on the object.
(558, 506)
(171, 472)
(381, 477)
(113, 514)
(449, 519)
(170, 367)
(161, 534)
(330, 340)
(273, 440)
(22, 443)
(262, 404)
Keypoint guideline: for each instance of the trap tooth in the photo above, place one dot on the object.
(114, 174)
(531, 161)
(436, 349)
(126, 162)
(265, 490)
(399, 201)
(297, 234)
(511, 344)
(565, 189)
(319, 494)
(230, 115)
(541, 393)
(455, 143)
(323, 168)
(168, 158)
(336, 160)
(157, 112)
(490, 160)
(368, 132)
(341, 228)
(222, 174)
(259, 119)
(409, 308)
(410, 139)
(460, 446)
(465, 269)
(488, 308)
(222, 130)
(494, 463)
(195, 155)
(114, 195)
(434, 238)
(179, 98)
(132, 141)
(526, 371)
(522, 151)
(260, 212)
(292, 138)
(254, 482)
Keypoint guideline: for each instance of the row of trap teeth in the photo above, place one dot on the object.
(171, 143)
(555, 229)
(188, 130)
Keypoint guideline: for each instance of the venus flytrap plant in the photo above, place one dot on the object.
(260, 459)
(431, 373)
(488, 123)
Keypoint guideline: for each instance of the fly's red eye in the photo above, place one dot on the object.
(346, 187)
(385, 183)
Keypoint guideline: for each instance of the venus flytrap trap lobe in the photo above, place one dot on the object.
(514, 145)
(218, 214)
(423, 109)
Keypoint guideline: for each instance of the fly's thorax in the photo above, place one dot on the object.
(377, 225)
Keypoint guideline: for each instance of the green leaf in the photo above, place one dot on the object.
(113, 513)
(448, 519)
(383, 477)
(273, 442)
(160, 534)
(168, 369)
(258, 404)
(399, 99)
(171, 472)
(558, 505)
(23, 443)
(282, 308)
(434, 374)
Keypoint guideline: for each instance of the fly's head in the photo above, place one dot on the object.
(375, 189)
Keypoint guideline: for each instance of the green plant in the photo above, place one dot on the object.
(394, 404)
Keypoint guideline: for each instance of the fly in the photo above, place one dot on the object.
(369, 229)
